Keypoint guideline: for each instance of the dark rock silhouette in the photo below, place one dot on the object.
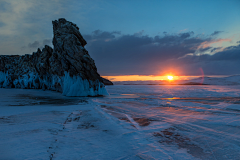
(106, 81)
(67, 68)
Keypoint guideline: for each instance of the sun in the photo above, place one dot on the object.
(170, 78)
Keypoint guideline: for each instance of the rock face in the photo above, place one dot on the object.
(67, 68)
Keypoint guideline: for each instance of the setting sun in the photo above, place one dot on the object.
(170, 77)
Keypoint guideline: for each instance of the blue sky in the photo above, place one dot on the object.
(171, 16)
(144, 37)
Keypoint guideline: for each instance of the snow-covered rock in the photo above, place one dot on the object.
(67, 68)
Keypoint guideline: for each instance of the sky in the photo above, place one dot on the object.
(137, 37)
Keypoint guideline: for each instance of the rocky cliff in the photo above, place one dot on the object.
(67, 68)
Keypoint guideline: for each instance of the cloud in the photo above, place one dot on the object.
(47, 42)
(23, 15)
(35, 44)
(32, 47)
(145, 55)
(225, 62)
(231, 53)
(25, 21)
(207, 44)
(186, 35)
(141, 54)
(4, 5)
(2, 24)
(216, 49)
(202, 50)
(183, 30)
(100, 35)
(216, 33)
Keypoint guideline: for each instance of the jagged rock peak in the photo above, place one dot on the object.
(62, 26)
(69, 53)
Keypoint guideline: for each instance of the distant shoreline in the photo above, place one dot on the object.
(170, 84)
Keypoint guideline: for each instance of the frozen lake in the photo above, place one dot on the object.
(133, 122)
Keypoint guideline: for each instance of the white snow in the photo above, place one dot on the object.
(134, 122)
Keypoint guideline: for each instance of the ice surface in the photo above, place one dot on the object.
(133, 122)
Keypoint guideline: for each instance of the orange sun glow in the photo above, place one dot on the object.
(170, 78)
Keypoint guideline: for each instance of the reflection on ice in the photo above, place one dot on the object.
(203, 120)
(208, 100)
(122, 96)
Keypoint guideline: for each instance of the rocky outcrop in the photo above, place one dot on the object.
(106, 81)
(67, 68)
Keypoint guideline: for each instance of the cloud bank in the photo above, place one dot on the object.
(181, 54)
(25, 24)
